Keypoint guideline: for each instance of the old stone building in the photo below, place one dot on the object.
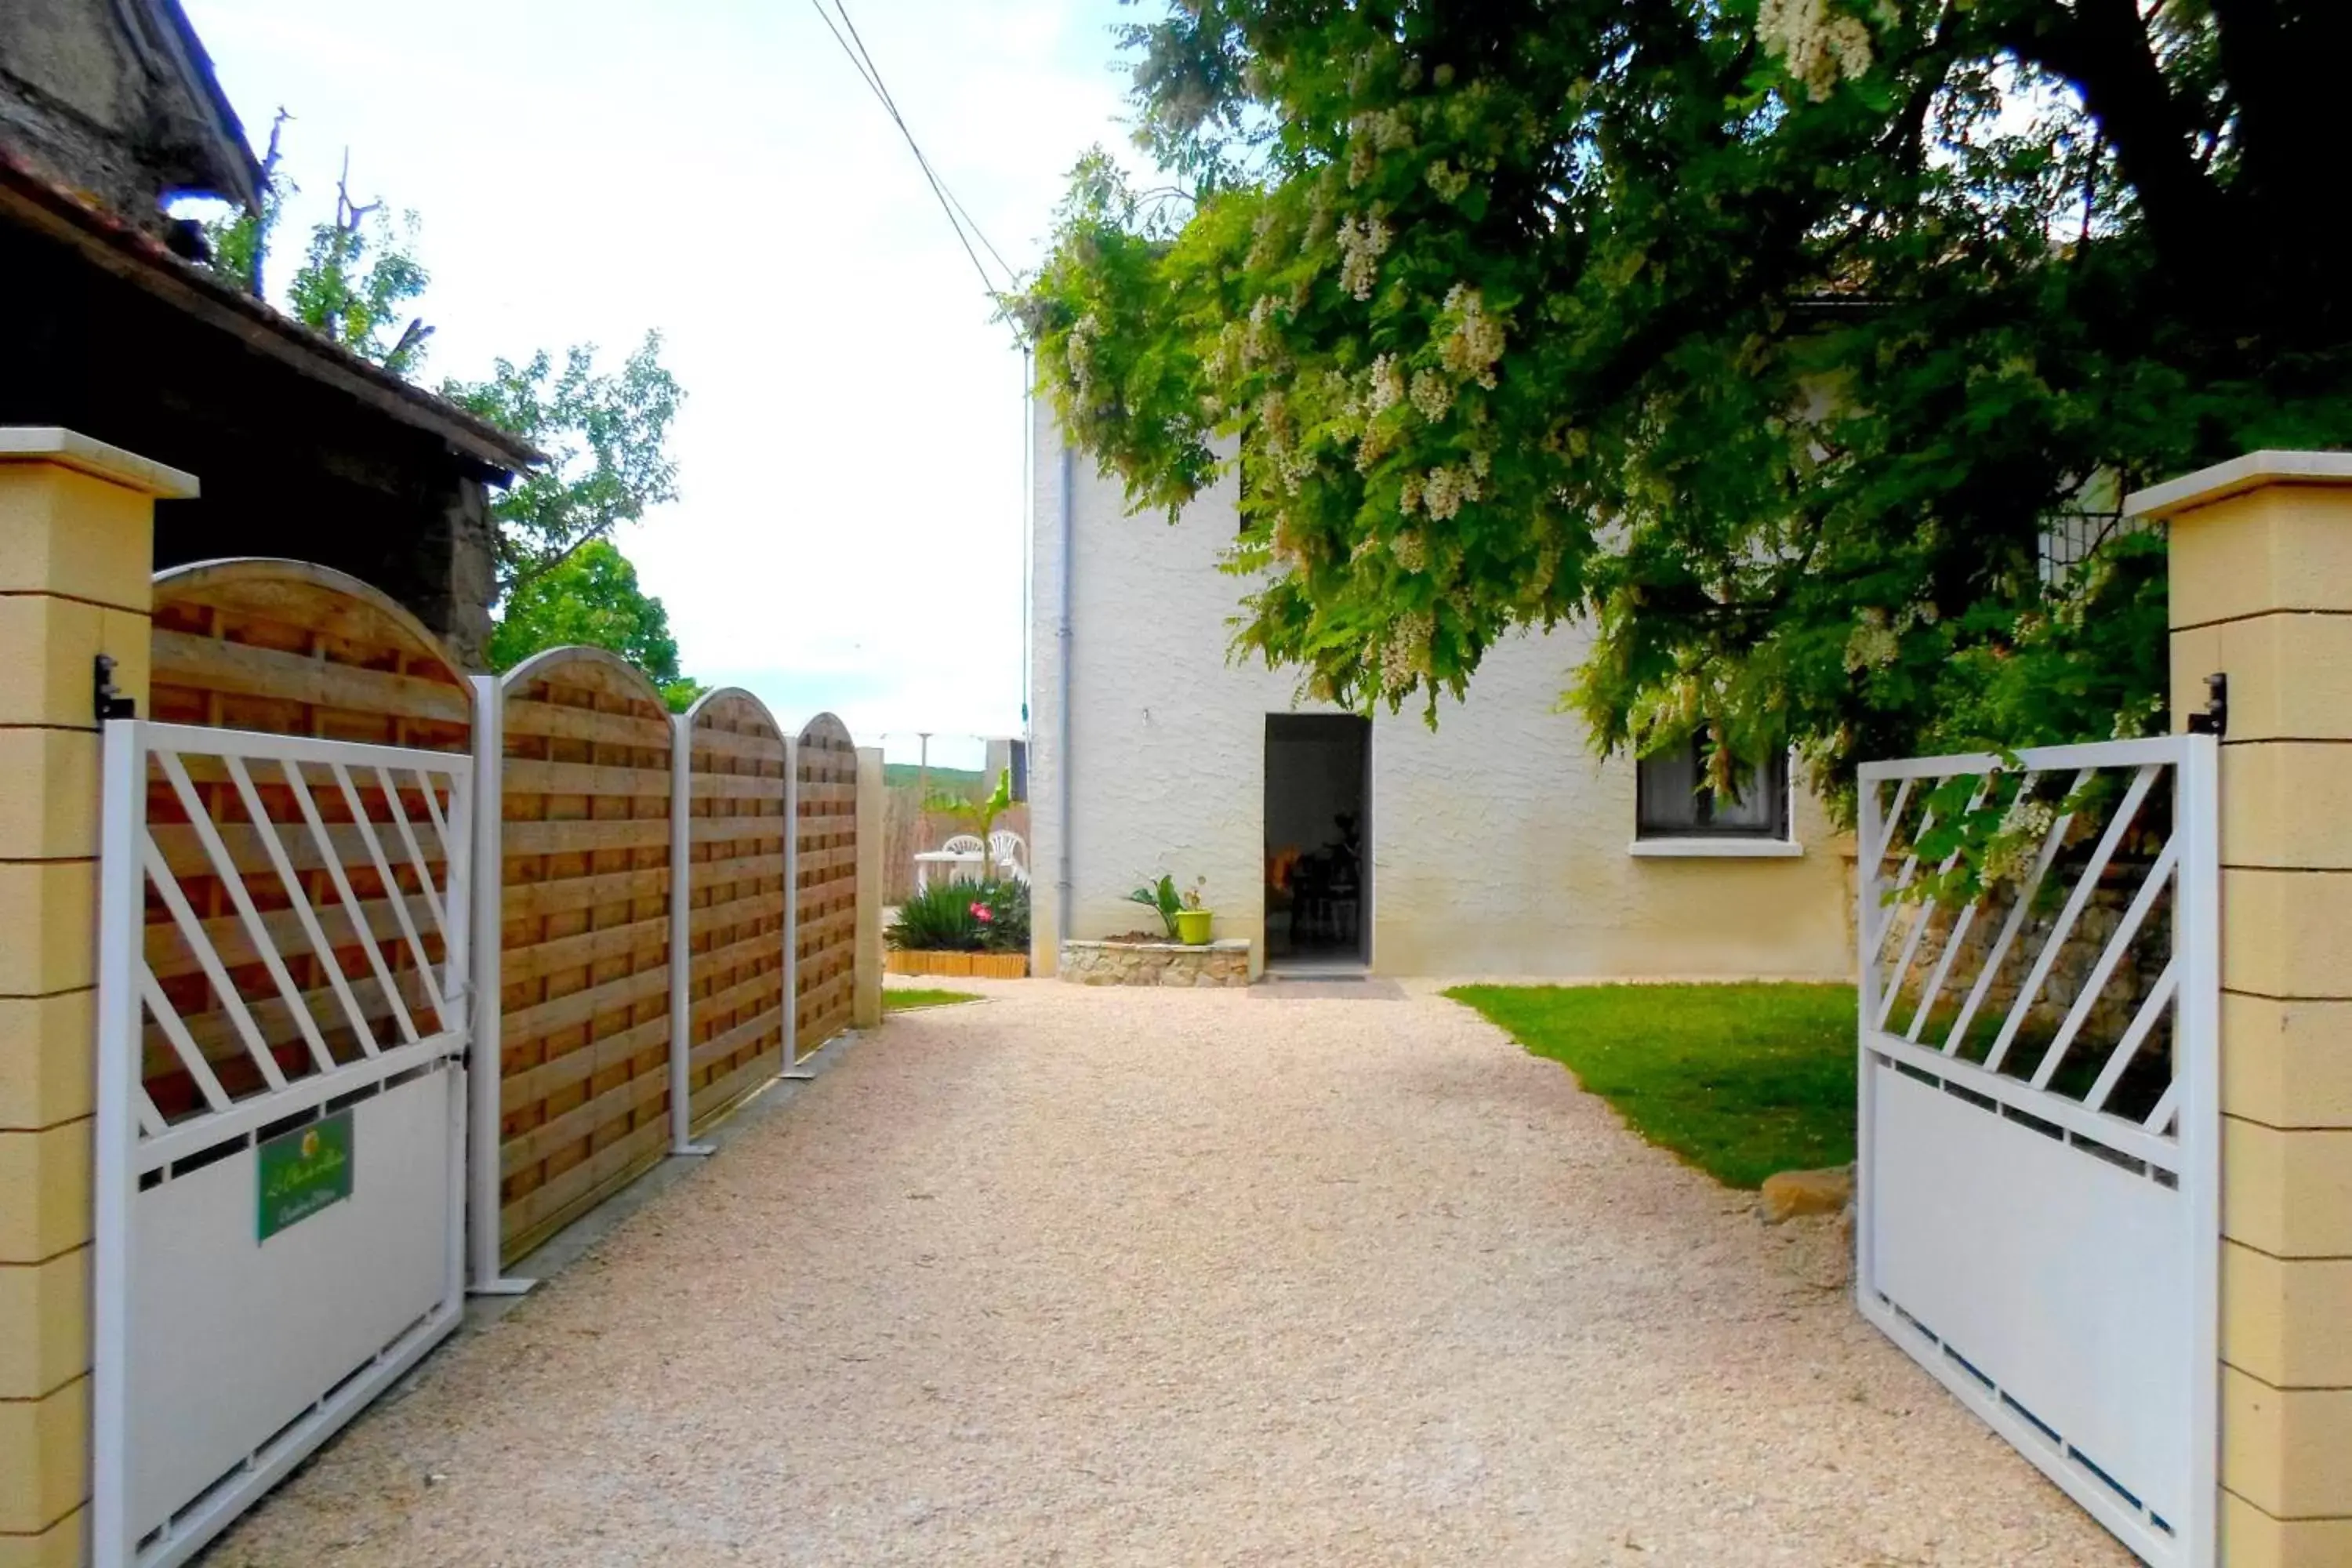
(109, 110)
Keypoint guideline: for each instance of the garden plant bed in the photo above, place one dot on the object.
(975, 966)
(1128, 961)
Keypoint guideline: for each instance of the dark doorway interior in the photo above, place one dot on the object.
(1317, 774)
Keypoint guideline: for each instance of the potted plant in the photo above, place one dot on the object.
(1181, 912)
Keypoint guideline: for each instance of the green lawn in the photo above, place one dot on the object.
(1739, 1080)
(905, 998)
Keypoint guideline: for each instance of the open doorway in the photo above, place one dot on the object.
(1317, 837)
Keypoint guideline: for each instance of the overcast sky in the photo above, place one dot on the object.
(851, 530)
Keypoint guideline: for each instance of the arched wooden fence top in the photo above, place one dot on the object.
(735, 891)
(292, 648)
(826, 927)
(583, 1030)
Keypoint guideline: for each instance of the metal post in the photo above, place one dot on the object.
(2197, 821)
(792, 909)
(1063, 633)
(681, 955)
(923, 791)
(122, 899)
(457, 984)
(1870, 833)
(483, 1066)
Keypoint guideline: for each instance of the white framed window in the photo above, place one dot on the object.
(1676, 811)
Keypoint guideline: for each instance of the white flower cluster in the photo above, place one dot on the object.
(1405, 654)
(1409, 551)
(1361, 243)
(1433, 395)
(1446, 488)
(1445, 180)
(1372, 134)
(1821, 46)
(1387, 386)
(1260, 343)
(1079, 349)
(2016, 843)
(1287, 465)
(1473, 347)
(1873, 644)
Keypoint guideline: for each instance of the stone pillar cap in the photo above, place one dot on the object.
(2236, 477)
(72, 449)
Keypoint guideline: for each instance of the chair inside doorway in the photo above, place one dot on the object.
(1316, 830)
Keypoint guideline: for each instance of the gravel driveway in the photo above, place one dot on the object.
(1095, 1276)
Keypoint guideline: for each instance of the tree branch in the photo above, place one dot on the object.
(2102, 48)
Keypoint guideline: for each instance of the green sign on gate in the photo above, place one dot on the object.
(302, 1172)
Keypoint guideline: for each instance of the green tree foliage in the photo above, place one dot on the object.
(607, 439)
(1767, 338)
(607, 433)
(591, 597)
(359, 273)
(358, 270)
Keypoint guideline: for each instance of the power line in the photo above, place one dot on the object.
(966, 230)
(873, 74)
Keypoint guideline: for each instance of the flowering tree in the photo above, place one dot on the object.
(1770, 340)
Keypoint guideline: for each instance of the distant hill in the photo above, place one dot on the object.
(963, 780)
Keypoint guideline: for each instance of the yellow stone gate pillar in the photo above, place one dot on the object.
(2262, 593)
(77, 557)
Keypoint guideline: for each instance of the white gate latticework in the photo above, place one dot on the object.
(2038, 1183)
(283, 1004)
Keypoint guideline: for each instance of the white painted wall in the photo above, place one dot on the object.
(1499, 843)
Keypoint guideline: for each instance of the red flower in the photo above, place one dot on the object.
(982, 912)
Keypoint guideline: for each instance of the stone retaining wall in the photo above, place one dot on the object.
(1226, 962)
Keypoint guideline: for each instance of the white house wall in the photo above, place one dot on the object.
(1499, 843)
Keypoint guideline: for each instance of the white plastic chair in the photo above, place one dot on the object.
(1010, 855)
(960, 855)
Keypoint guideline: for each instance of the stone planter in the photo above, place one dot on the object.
(968, 966)
(1224, 962)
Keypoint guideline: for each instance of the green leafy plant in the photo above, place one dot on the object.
(604, 429)
(593, 597)
(964, 917)
(1165, 899)
(978, 816)
(607, 433)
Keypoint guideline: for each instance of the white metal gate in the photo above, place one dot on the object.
(282, 1009)
(2039, 1193)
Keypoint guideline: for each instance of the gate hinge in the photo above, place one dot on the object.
(105, 699)
(2215, 720)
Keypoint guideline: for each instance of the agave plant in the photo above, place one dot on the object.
(963, 917)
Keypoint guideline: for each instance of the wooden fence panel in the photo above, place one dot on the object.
(285, 648)
(735, 891)
(826, 927)
(584, 937)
